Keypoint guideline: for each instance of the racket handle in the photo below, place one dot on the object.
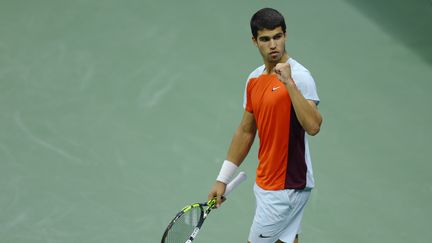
(235, 182)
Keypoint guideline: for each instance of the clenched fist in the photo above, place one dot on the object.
(283, 71)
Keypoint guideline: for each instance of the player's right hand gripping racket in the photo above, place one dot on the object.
(187, 223)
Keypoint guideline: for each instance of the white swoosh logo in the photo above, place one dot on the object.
(275, 88)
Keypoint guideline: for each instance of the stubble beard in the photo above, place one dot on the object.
(275, 60)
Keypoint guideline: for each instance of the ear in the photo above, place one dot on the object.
(254, 41)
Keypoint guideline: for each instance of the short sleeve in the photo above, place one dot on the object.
(247, 98)
(306, 85)
(247, 104)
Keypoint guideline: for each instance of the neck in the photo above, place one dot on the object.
(269, 66)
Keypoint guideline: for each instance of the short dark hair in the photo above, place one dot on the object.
(266, 18)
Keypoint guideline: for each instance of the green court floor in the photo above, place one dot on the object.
(116, 114)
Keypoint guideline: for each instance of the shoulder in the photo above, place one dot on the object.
(296, 67)
(254, 74)
(257, 72)
(304, 80)
(250, 83)
(299, 72)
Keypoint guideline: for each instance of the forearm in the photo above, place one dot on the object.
(307, 113)
(240, 145)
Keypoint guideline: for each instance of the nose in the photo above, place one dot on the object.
(272, 44)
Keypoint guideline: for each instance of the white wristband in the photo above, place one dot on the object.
(227, 171)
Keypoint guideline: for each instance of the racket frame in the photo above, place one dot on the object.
(204, 213)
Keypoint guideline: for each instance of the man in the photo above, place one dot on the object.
(280, 102)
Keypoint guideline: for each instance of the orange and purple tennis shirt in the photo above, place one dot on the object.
(284, 159)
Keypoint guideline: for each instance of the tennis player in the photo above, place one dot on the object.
(280, 102)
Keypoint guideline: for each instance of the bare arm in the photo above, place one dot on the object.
(306, 110)
(243, 139)
(240, 145)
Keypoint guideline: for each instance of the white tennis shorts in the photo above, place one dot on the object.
(278, 215)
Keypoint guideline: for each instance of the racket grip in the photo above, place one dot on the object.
(235, 182)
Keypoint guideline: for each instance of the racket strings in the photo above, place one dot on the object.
(184, 226)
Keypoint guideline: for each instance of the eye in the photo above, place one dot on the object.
(264, 38)
(277, 37)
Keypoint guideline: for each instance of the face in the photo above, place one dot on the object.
(271, 44)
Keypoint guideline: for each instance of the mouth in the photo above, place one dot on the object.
(273, 53)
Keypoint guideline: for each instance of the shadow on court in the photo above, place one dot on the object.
(407, 21)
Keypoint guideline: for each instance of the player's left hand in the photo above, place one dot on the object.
(283, 71)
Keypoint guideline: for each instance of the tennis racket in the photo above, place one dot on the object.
(188, 222)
